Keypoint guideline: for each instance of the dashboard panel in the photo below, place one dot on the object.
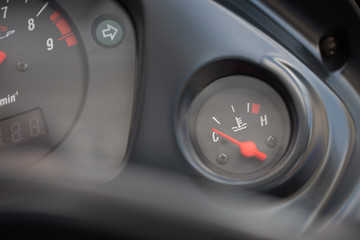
(148, 119)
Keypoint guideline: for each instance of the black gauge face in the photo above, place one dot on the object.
(42, 76)
(240, 127)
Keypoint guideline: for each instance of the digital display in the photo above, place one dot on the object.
(21, 128)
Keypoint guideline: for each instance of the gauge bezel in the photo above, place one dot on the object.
(239, 82)
(285, 84)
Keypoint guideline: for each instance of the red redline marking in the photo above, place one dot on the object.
(57, 20)
(63, 26)
(64, 29)
(2, 57)
(71, 41)
(55, 16)
(66, 36)
(255, 108)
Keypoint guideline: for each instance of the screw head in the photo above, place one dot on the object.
(270, 141)
(222, 159)
(22, 66)
(329, 46)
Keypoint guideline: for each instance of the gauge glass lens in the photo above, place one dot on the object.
(240, 127)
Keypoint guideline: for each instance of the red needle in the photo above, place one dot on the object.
(2, 56)
(247, 149)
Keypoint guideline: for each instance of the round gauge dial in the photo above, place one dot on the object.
(240, 127)
(43, 75)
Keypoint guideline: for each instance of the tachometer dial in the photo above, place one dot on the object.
(43, 75)
(240, 127)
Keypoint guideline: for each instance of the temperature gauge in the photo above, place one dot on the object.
(240, 128)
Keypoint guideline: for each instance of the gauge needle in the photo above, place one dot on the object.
(247, 149)
(2, 56)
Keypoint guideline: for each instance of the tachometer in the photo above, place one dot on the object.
(43, 75)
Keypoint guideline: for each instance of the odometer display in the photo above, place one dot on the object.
(21, 128)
